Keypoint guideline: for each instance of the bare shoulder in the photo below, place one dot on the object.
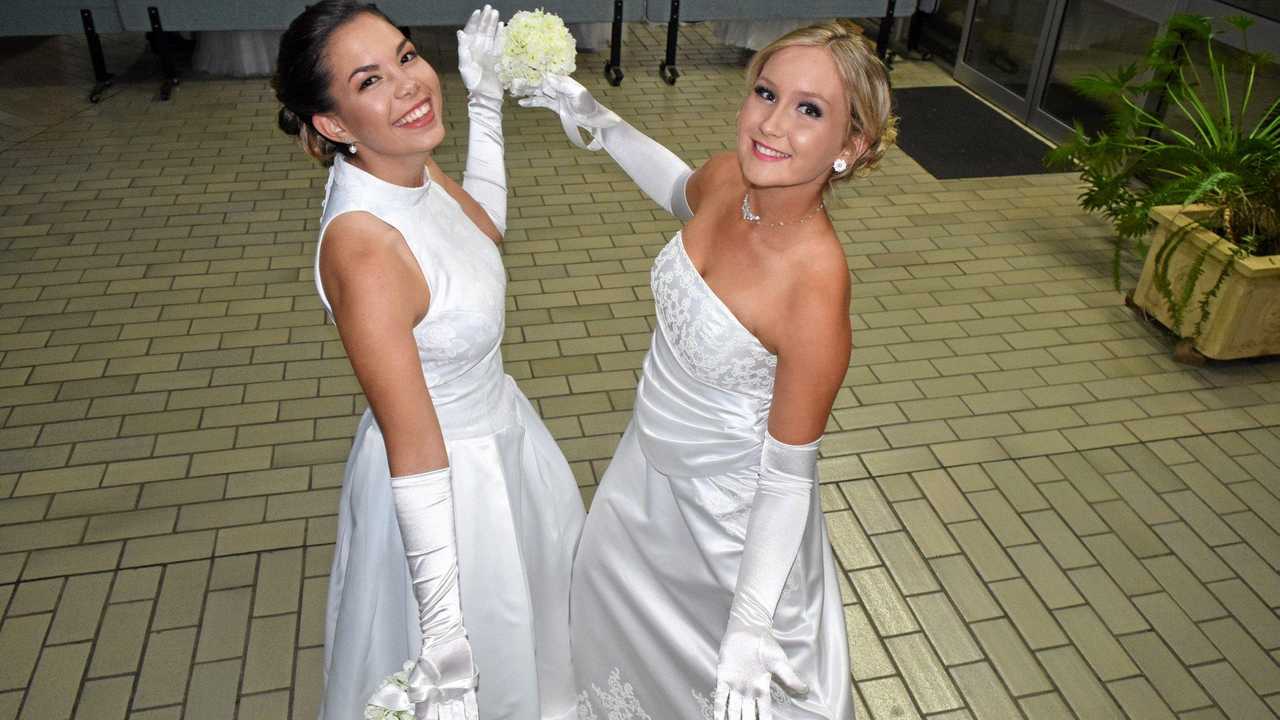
(357, 239)
(723, 172)
(817, 291)
(365, 260)
(819, 270)
(719, 174)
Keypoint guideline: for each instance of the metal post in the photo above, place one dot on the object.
(163, 47)
(101, 77)
(882, 38)
(668, 69)
(613, 68)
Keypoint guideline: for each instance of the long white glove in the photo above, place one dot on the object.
(485, 177)
(660, 173)
(749, 655)
(442, 684)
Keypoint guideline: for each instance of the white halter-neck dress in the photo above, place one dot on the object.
(658, 561)
(517, 508)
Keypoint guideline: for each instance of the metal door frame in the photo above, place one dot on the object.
(1027, 110)
(1019, 107)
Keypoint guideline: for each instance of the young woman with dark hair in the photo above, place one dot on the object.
(458, 516)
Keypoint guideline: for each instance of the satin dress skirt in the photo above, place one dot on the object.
(518, 516)
(658, 562)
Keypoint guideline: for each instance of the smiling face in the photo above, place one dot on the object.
(796, 120)
(387, 99)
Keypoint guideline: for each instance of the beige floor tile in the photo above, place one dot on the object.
(865, 644)
(1176, 629)
(165, 668)
(1230, 691)
(1078, 685)
(985, 694)
(888, 698)
(1028, 613)
(212, 693)
(107, 698)
(1013, 660)
(1185, 589)
(925, 676)
(874, 513)
(120, 642)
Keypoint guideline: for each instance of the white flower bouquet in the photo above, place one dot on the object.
(537, 44)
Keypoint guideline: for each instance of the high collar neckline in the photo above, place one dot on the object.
(347, 173)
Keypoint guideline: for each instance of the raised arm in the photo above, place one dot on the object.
(485, 176)
(378, 294)
(813, 355)
(660, 173)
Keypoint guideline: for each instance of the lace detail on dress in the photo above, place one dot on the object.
(453, 341)
(728, 500)
(618, 701)
(456, 334)
(711, 342)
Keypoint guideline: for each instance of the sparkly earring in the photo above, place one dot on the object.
(352, 148)
(839, 165)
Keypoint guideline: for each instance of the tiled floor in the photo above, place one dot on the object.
(1038, 513)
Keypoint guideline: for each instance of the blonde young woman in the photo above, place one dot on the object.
(458, 515)
(704, 585)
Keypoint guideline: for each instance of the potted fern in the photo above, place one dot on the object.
(1195, 193)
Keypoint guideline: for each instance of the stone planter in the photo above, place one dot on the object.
(1244, 318)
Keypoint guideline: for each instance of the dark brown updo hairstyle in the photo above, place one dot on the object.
(302, 74)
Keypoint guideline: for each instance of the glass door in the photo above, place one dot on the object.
(1001, 53)
(1093, 36)
(1023, 54)
(1003, 48)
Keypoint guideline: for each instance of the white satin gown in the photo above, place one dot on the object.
(517, 508)
(658, 561)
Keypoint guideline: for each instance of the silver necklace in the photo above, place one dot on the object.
(755, 219)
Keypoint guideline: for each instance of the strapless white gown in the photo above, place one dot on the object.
(516, 505)
(658, 561)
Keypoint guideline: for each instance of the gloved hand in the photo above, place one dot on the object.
(576, 107)
(448, 673)
(443, 680)
(479, 47)
(660, 173)
(485, 176)
(750, 657)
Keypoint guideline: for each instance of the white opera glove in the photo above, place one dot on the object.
(750, 657)
(443, 681)
(660, 173)
(485, 176)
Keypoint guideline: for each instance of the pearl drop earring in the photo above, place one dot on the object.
(352, 147)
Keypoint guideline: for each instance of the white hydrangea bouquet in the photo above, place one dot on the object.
(537, 44)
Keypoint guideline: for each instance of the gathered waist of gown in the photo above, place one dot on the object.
(479, 402)
(687, 427)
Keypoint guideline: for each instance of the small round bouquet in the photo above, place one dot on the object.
(537, 44)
